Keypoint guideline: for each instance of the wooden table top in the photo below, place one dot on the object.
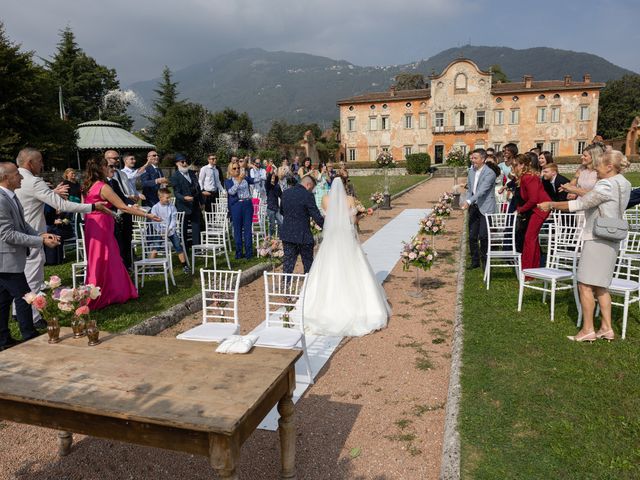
(157, 380)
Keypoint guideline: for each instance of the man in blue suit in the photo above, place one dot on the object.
(188, 195)
(298, 205)
(481, 200)
(152, 179)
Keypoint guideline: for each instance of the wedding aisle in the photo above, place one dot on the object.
(382, 251)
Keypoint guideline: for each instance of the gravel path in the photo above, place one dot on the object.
(376, 410)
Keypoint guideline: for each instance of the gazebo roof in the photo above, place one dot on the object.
(100, 135)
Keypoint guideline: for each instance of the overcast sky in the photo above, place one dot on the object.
(139, 37)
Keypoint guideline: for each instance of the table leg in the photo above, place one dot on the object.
(287, 431)
(65, 439)
(223, 456)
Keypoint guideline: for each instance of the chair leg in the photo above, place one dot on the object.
(520, 292)
(553, 299)
(173, 280)
(135, 275)
(166, 282)
(487, 273)
(186, 255)
(226, 254)
(193, 261)
(625, 314)
(544, 293)
(306, 360)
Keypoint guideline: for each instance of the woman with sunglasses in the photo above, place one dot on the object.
(240, 207)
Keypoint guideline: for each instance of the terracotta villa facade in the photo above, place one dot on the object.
(462, 108)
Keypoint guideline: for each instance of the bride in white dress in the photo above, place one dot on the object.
(343, 297)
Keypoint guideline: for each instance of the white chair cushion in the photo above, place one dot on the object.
(278, 337)
(624, 285)
(544, 273)
(210, 332)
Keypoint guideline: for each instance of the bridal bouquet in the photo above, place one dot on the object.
(270, 247)
(417, 253)
(362, 211)
(315, 228)
(441, 210)
(385, 160)
(432, 225)
(377, 198)
(446, 198)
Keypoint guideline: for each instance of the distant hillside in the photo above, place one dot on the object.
(299, 87)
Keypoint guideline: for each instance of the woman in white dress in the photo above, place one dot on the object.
(343, 297)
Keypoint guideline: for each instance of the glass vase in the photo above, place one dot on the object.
(53, 329)
(78, 327)
(93, 333)
(417, 292)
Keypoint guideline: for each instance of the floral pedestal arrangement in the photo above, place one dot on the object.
(385, 161)
(420, 254)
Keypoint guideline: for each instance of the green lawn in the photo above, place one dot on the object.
(365, 186)
(534, 404)
(634, 178)
(153, 298)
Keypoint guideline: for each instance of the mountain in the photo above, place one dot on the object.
(303, 88)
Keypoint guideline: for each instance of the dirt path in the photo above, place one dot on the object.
(376, 410)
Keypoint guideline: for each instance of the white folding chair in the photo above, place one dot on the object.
(219, 307)
(626, 283)
(136, 237)
(156, 254)
(284, 312)
(79, 267)
(259, 228)
(501, 248)
(213, 244)
(179, 227)
(560, 270)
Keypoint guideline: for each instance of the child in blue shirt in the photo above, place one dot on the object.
(167, 213)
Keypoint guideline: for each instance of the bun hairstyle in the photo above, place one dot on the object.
(615, 158)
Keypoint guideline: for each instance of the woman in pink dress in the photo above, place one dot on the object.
(104, 264)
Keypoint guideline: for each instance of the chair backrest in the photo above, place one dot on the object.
(632, 216)
(627, 268)
(502, 207)
(172, 201)
(137, 222)
(566, 243)
(284, 299)
(501, 228)
(213, 238)
(220, 295)
(631, 245)
(215, 220)
(179, 224)
(81, 251)
(153, 237)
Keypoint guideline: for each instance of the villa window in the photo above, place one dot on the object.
(553, 147)
(373, 123)
(555, 114)
(584, 112)
(373, 154)
(581, 146)
(480, 120)
(408, 121)
(351, 124)
(499, 117)
(351, 154)
(385, 122)
(514, 118)
(439, 123)
(408, 149)
(542, 114)
(422, 120)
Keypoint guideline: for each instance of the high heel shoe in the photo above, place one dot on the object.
(608, 335)
(587, 337)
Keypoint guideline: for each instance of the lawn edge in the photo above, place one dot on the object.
(450, 464)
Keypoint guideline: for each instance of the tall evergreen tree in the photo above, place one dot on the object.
(85, 83)
(29, 113)
(167, 93)
(619, 105)
(497, 75)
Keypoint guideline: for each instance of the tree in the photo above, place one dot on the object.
(29, 113)
(85, 83)
(619, 105)
(167, 92)
(237, 125)
(409, 81)
(283, 135)
(497, 75)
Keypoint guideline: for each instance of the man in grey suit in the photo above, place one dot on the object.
(16, 239)
(481, 200)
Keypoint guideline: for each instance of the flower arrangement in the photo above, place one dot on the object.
(441, 210)
(377, 198)
(385, 160)
(432, 225)
(446, 198)
(361, 210)
(270, 247)
(418, 253)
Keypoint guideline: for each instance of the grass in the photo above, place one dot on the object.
(152, 297)
(535, 405)
(633, 177)
(365, 186)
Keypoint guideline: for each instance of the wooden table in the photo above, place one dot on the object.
(159, 392)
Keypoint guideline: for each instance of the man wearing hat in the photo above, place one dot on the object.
(188, 197)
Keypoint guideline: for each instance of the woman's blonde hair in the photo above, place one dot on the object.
(595, 152)
(283, 171)
(66, 173)
(615, 158)
(229, 167)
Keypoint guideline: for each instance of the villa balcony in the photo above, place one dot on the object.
(460, 129)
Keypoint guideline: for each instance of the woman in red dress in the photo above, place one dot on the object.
(104, 264)
(532, 192)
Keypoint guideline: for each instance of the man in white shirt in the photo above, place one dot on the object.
(259, 175)
(210, 182)
(133, 174)
(33, 194)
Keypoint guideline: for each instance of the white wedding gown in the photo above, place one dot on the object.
(343, 297)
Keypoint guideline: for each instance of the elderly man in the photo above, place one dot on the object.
(481, 200)
(16, 239)
(34, 194)
(210, 181)
(152, 179)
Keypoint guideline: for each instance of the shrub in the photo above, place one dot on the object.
(418, 163)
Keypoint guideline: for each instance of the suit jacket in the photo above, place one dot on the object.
(16, 236)
(554, 193)
(484, 196)
(149, 186)
(34, 193)
(298, 205)
(182, 188)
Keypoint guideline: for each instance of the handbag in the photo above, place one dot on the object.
(611, 229)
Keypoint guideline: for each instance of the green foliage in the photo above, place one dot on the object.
(284, 136)
(497, 75)
(418, 163)
(237, 126)
(409, 81)
(167, 93)
(85, 83)
(458, 158)
(365, 186)
(29, 108)
(619, 105)
(268, 154)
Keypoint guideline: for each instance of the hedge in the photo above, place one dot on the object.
(418, 163)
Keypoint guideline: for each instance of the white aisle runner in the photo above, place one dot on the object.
(383, 252)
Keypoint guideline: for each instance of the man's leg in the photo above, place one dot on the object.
(474, 233)
(195, 225)
(247, 233)
(290, 256)
(483, 235)
(306, 252)
(34, 273)
(16, 285)
(127, 238)
(5, 307)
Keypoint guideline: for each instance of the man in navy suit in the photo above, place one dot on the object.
(298, 205)
(188, 197)
(152, 179)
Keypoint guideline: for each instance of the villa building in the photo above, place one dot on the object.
(462, 108)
